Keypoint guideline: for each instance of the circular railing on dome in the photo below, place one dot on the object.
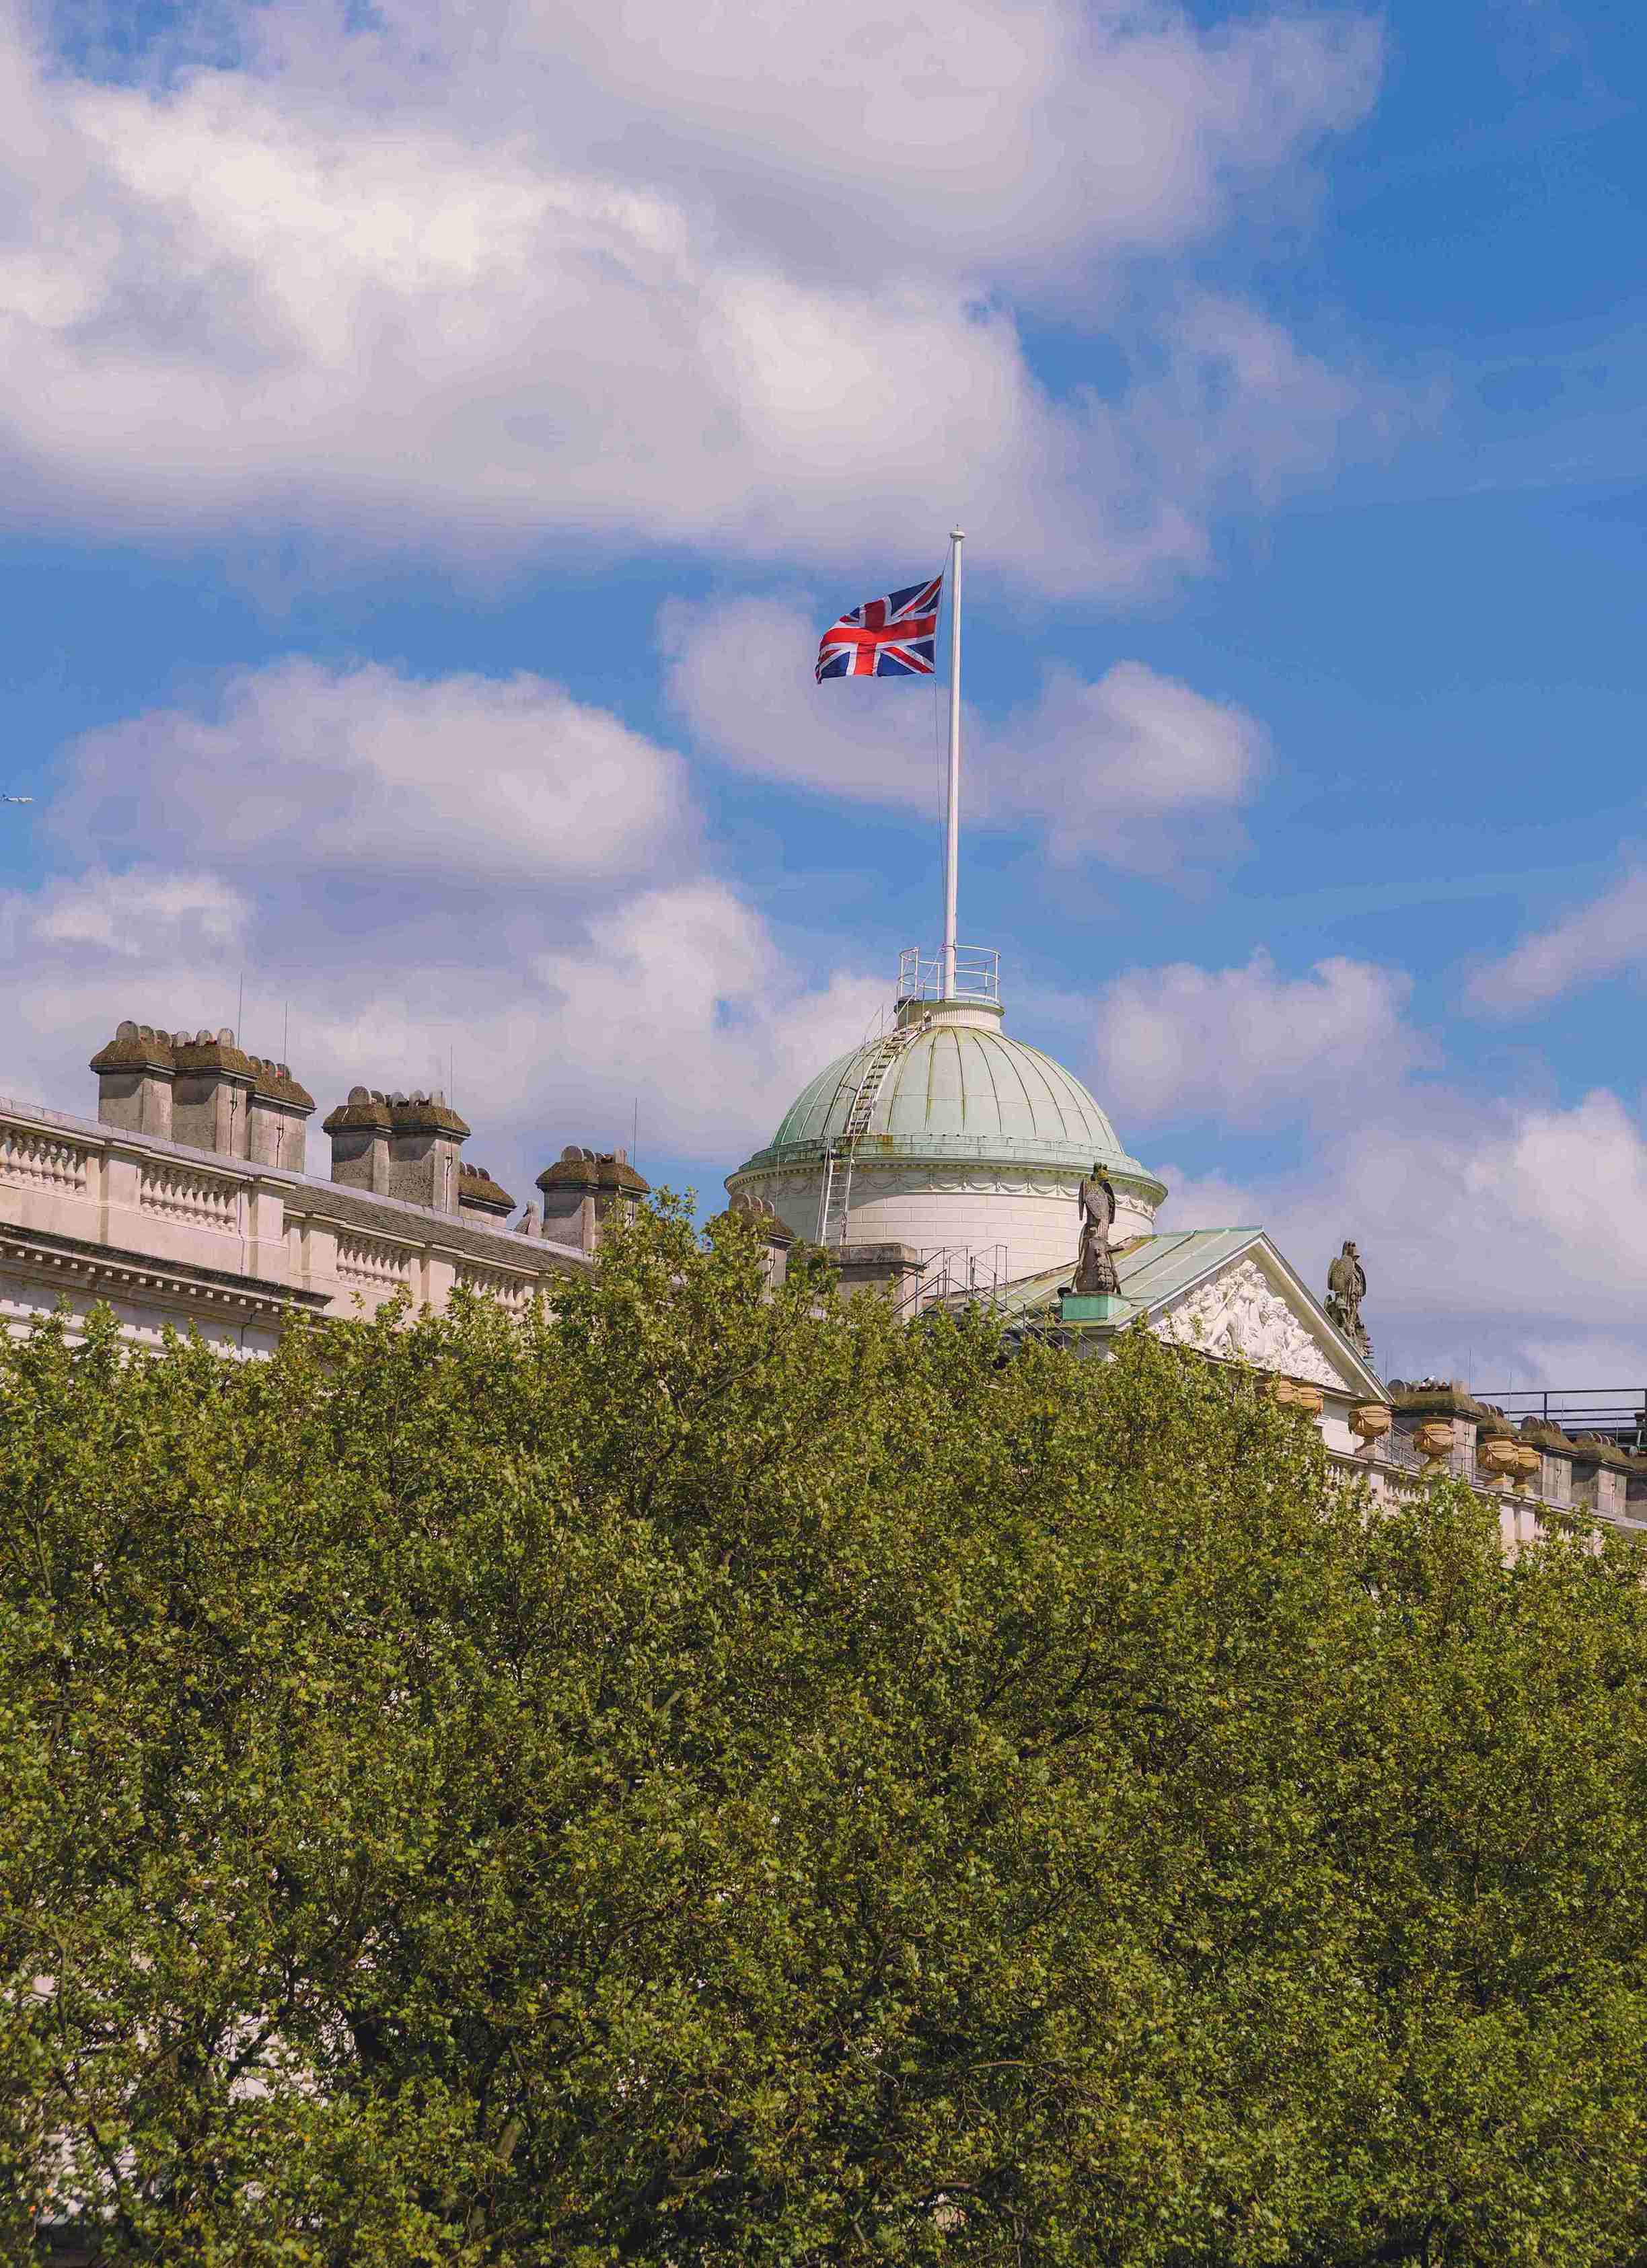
(977, 975)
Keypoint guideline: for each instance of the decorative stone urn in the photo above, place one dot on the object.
(1501, 1458)
(1433, 1439)
(1293, 1394)
(1370, 1420)
(1529, 1464)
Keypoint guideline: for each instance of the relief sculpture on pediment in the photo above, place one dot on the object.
(1240, 1316)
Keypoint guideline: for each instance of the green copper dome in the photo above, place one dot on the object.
(961, 1090)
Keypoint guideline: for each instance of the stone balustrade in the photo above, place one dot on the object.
(30, 1160)
(509, 1291)
(374, 1262)
(207, 1201)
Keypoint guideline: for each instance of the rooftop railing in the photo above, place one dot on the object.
(977, 974)
(1618, 1413)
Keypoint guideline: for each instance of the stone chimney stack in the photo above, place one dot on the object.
(211, 1093)
(580, 1190)
(277, 1121)
(405, 1145)
(361, 1129)
(423, 1158)
(134, 1073)
(202, 1091)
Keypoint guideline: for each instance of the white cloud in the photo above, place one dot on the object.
(1205, 1200)
(1599, 941)
(158, 945)
(332, 289)
(675, 998)
(1231, 398)
(1504, 1238)
(469, 882)
(1248, 1046)
(1501, 1240)
(1019, 138)
(1133, 768)
(469, 778)
(699, 1015)
(129, 914)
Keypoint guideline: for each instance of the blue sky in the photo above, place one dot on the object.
(435, 438)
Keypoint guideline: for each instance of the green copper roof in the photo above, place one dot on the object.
(959, 1092)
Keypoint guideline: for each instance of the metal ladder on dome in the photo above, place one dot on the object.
(835, 1197)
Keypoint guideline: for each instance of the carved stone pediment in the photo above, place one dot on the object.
(1240, 1316)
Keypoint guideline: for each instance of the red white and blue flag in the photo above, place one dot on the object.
(892, 636)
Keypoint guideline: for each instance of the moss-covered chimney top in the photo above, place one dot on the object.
(594, 1169)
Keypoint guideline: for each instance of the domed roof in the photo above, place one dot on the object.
(958, 1089)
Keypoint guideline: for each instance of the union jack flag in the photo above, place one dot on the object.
(885, 637)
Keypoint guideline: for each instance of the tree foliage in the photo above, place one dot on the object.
(699, 1777)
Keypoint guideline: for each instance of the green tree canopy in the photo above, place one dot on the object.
(700, 1778)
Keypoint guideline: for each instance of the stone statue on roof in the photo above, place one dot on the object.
(1095, 1269)
(1346, 1289)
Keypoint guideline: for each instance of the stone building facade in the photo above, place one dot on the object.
(185, 1203)
(939, 1162)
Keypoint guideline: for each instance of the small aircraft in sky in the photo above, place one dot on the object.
(16, 798)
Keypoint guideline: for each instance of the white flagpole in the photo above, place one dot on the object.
(952, 832)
